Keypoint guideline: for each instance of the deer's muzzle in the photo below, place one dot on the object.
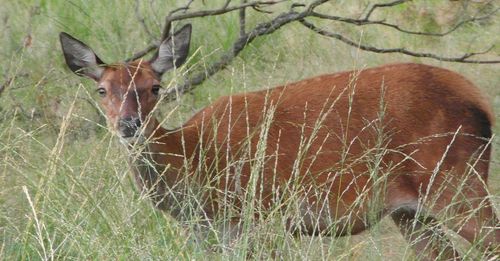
(129, 126)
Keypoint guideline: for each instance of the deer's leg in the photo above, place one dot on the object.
(424, 235)
(421, 231)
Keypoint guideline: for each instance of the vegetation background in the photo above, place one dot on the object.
(65, 188)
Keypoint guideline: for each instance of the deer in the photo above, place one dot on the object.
(434, 155)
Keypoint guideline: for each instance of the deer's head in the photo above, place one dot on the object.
(128, 91)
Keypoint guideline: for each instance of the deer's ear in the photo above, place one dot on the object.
(80, 58)
(173, 51)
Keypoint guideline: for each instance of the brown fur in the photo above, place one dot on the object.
(428, 126)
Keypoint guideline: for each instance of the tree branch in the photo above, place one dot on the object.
(183, 8)
(462, 59)
(141, 20)
(260, 30)
(9, 80)
(390, 4)
(224, 9)
(397, 27)
(177, 17)
(243, 19)
(268, 27)
(142, 53)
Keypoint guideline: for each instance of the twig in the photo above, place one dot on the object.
(142, 53)
(182, 8)
(141, 19)
(462, 59)
(397, 27)
(375, 6)
(226, 4)
(173, 17)
(246, 37)
(260, 10)
(4, 85)
(203, 13)
(260, 30)
(9, 81)
(243, 19)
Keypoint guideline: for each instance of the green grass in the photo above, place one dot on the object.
(65, 188)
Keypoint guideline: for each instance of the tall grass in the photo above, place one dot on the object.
(65, 187)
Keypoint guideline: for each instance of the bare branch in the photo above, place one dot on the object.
(227, 3)
(462, 59)
(183, 8)
(243, 19)
(15, 103)
(260, 30)
(375, 6)
(166, 30)
(141, 19)
(172, 17)
(397, 27)
(142, 53)
(224, 9)
(4, 85)
(8, 82)
(260, 10)
(315, 4)
(264, 28)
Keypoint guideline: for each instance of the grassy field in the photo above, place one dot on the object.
(65, 187)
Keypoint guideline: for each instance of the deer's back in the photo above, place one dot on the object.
(338, 125)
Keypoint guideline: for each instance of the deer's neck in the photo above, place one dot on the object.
(159, 166)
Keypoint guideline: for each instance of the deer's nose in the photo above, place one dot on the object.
(129, 126)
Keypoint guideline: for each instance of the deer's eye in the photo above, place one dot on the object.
(156, 90)
(101, 91)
